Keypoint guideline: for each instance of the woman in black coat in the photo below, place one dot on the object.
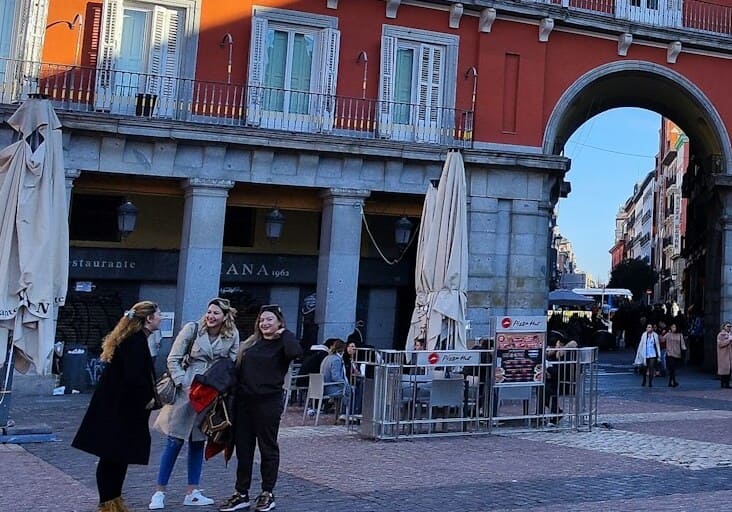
(115, 426)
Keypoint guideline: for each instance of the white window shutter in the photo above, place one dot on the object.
(257, 65)
(429, 93)
(330, 42)
(386, 87)
(164, 60)
(156, 58)
(111, 32)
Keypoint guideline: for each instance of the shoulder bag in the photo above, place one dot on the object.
(164, 386)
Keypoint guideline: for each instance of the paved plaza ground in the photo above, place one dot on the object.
(660, 448)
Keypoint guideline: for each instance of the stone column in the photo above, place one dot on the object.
(71, 175)
(338, 261)
(199, 267)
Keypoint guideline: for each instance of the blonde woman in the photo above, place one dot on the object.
(115, 426)
(194, 350)
(262, 363)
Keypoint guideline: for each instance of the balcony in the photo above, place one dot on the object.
(126, 94)
(694, 15)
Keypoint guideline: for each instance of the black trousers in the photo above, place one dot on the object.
(257, 423)
(110, 478)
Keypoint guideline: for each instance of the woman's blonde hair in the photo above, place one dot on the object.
(132, 320)
(257, 334)
(228, 328)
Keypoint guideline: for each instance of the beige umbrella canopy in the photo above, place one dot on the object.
(442, 263)
(34, 236)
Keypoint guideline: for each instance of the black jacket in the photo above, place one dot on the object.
(115, 425)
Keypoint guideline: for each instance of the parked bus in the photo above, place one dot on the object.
(609, 298)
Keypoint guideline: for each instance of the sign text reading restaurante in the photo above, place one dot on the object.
(118, 264)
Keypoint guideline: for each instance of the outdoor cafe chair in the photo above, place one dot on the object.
(316, 395)
(446, 393)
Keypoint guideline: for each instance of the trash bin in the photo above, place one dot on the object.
(74, 369)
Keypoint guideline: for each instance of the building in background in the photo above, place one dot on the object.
(670, 264)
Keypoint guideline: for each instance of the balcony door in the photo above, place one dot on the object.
(139, 62)
(660, 13)
(293, 63)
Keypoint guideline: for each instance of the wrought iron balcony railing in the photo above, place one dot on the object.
(124, 93)
(694, 15)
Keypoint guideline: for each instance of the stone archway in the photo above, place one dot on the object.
(672, 95)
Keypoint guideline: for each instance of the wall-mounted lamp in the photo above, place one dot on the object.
(227, 39)
(126, 218)
(78, 21)
(273, 223)
(403, 232)
(363, 57)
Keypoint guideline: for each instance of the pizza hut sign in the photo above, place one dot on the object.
(425, 358)
(521, 323)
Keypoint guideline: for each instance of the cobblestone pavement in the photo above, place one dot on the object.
(662, 447)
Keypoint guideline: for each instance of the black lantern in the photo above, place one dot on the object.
(402, 232)
(126, 218)
(273, 225)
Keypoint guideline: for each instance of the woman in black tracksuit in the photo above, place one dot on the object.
(262, 364)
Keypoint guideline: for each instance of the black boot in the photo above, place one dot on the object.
(644, 380)
(670, 382)
(650, 381)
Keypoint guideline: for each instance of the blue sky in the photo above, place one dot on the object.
(610, 153)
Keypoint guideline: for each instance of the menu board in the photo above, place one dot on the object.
(520, 346)
(519, 358)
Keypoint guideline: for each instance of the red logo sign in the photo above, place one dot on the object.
(433, 358)
(506, 322)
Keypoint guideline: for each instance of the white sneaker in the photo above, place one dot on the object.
(157, 501)
(195, 498)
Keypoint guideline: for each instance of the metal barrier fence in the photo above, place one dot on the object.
(449, 393)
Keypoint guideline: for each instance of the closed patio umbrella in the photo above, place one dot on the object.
(34, 236)
(442, 263)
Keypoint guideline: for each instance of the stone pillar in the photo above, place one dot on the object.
(509, 216)
(338, 261)
(71, 175)
(199, 267)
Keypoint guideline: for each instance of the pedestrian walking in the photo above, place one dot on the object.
(647, 354)
(262, 363)
(194, 350)
(115, 426)
(675, 347)
(724, 354)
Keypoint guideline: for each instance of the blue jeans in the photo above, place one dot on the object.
(170, 454)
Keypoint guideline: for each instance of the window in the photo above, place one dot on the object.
(293, 63)
(22, 29)
(664, 13)
(417, 84)
(139, 64)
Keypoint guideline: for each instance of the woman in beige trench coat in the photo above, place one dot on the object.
(724, 354)
(195, 349)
